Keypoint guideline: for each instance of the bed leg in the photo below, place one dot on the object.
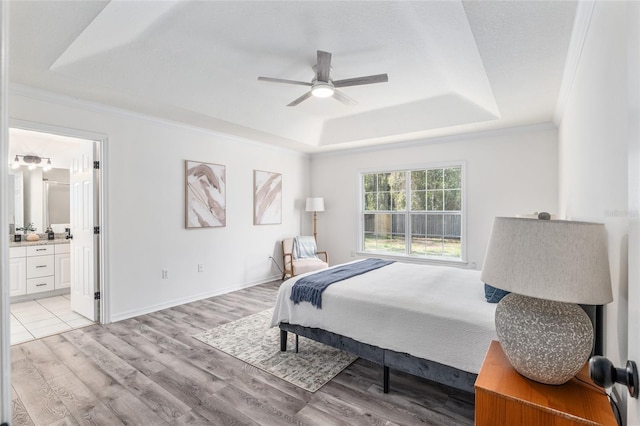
(296, 343)
(385, 380)
(283, 340)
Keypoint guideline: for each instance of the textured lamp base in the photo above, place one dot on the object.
(545, 341)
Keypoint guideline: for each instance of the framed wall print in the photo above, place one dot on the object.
(205, 189)
(267, 198)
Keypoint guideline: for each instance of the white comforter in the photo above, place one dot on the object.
(432, 312)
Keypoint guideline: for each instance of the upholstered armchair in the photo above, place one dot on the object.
(300, 255)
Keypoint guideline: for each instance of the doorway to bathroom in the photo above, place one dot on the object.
(54, 274)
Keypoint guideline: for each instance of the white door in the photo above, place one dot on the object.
(83, 241)
(633, 296)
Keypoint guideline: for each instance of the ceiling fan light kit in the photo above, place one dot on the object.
(322, 86)
(322, 90)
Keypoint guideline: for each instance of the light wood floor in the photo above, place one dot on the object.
(150, 371)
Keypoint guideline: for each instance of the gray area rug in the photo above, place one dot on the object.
(251, 340)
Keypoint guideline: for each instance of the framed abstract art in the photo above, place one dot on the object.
(267, 198)
(205, 189)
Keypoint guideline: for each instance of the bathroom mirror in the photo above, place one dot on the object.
(56, 203)
(16, 200)
(39, 198)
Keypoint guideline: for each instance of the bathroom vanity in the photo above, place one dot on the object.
(39, 268)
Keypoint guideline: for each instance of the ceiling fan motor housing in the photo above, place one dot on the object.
(322, 86)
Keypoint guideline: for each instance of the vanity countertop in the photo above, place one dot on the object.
(40, 242)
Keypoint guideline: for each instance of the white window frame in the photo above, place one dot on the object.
(406, 257)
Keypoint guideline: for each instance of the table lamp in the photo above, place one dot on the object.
(548, 266)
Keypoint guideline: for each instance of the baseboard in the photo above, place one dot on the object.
(41, 295)
(194, 298)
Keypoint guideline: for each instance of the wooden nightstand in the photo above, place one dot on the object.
(504, 397)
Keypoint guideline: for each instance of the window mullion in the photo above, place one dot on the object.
(439, 218)
(407, 214)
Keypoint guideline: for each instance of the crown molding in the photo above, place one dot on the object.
(16, 89)
(442, 139)
(584, 12)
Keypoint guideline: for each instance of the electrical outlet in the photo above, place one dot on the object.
(165, 274)
(200, 267)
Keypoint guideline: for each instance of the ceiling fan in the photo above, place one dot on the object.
(322, 86)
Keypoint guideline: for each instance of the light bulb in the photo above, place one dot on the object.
(322, 90)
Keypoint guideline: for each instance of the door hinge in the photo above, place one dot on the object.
(96, 164)
(96, 295)
(96, 230)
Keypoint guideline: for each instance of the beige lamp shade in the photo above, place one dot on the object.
(564, 261)
(315, 204)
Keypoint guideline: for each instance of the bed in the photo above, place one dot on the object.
(431, 321)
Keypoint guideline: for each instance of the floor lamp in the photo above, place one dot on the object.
(315, 205)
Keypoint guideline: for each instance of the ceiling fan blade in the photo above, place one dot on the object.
(300, 99)
(357, 81)
(344, 98)
(324, 66)
(282, 80)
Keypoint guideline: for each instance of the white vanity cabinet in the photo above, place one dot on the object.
(39, 268)
(62, 258)
(17, 271)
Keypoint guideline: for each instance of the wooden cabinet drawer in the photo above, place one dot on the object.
(40, 266)
(36, 285)
(40, 250)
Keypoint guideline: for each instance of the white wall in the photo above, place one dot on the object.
(145, 205)
(508, 172)
(633, 16)
(593, 139)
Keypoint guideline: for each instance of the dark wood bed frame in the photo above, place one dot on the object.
(420, 367)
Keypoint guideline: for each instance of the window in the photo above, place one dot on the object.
(416, 213)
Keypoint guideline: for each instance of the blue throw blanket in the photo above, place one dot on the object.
(304, 247)
(310, 288)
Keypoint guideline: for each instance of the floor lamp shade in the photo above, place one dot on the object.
(315, 204)
(549, 266)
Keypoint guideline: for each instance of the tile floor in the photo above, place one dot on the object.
(43, 317)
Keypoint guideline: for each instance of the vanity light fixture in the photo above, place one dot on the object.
(16, 163)
(32, 161)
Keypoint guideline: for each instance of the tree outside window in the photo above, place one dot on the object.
(429, 225)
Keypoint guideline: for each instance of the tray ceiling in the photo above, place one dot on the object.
(453, 66)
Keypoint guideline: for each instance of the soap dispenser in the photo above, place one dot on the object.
(50, 234)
